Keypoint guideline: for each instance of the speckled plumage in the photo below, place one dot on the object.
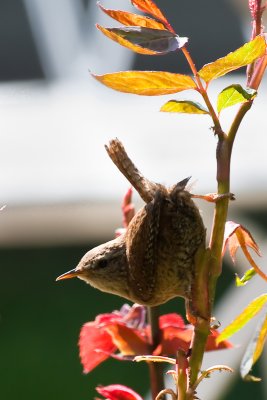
(155, 260)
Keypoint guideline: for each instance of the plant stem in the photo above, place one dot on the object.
(182, 368)
(213, 261)
(217, 126)
(155, 369)
(201, 332)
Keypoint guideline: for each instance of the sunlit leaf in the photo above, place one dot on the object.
(157, 40)
(237, 236)
(118, 392)
(147, 83)
(92, 338)
(184, 106)
(242, 319)
(234, 60)
(234, 94)
(232, 240)
(130, 19)
(254, 350)
(245, 278)
(127, 340)
(149, 7)
(155, 359)
(212, 343)
(124, 42)
(172, 320)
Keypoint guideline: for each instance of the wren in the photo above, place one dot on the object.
(155, 260)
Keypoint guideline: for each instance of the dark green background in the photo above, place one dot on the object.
(39, 328)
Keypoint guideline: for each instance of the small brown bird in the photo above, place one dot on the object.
(154, 261)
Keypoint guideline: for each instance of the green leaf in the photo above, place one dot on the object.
(234, 94)
(254, 350)
(245, 278)
(156, 40)
(184, 106)
(239, 58)
(242, 319)
(147, 83)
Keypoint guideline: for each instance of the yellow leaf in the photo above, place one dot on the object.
(184, 106)
(261, 340)
(242, 319)
(147, 83)
(254, 349)
(243, 56)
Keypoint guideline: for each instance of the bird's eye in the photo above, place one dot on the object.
(102, 263)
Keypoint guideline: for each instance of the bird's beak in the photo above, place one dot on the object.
(68, 275)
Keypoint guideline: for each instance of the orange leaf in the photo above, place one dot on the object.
(124, 42)
(147, 83)
(149, 7)
(128, 340)
(130, 19)
(237, 236)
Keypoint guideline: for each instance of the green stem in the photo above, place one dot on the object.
(217, 126)
(201, 332)
(155, 369)
(210, 266)
(224, 152)
(212, 263)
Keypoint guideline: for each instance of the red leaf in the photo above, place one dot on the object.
(127, 208)
(175, 335)
(212, 345)
(93, 337)
(128, 340)
(174, 339)
(174, 320)
(118, 392)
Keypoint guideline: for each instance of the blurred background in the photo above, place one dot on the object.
(63, 194)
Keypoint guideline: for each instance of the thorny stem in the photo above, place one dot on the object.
(182, 367)
(155, 369)
(214, 262)
(214, 259)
